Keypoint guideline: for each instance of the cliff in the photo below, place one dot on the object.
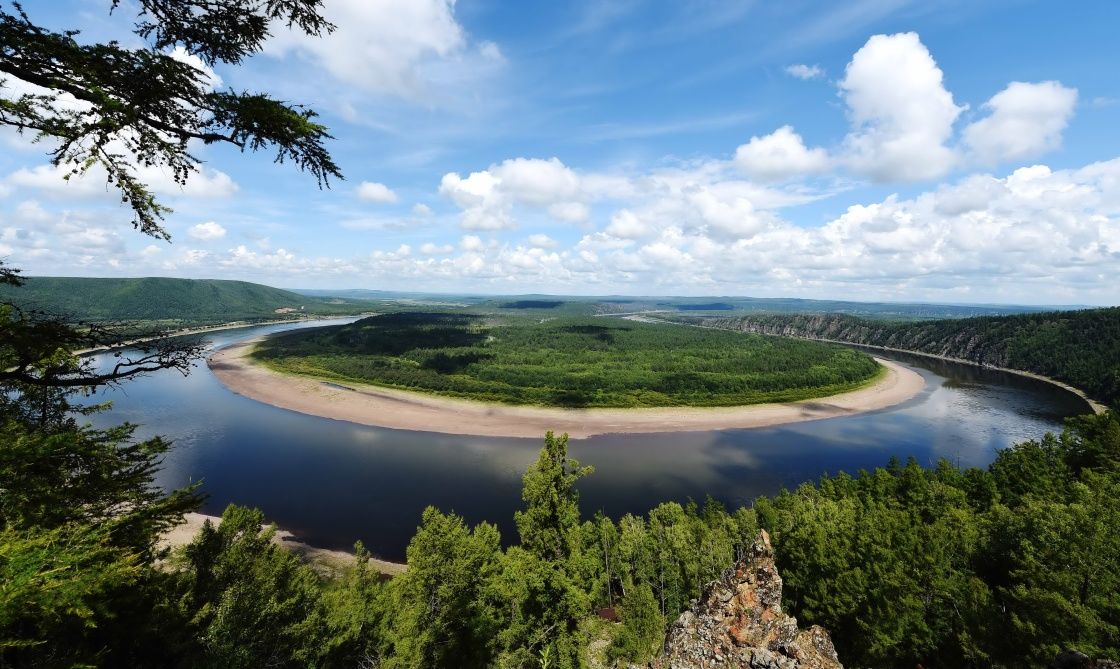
(738, 623)
(1081, 348)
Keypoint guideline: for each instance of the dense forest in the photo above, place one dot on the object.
(569, 361)
(1081, 348)
(996, 567)
(171, 302)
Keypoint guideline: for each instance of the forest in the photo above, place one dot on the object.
(166, 302)
(996, 567)
(1081, 348)
(575, 362)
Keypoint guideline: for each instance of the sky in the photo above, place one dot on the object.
(945, 151)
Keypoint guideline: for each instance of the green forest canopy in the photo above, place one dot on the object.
(943, 567)
(592, 362)
(1081, 348)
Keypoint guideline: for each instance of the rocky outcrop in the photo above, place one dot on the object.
(1072, 659)
(739, 624)
(961, 340)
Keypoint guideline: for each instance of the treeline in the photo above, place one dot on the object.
(1081, 348)
(996, 567)
(164, 300)
(585, 362)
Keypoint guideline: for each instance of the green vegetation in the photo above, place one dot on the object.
(996, 567)
(169, 302)
(569, 361)
(1081, 348)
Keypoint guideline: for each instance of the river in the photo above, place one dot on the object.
(332, 482)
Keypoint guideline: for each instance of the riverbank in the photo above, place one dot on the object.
(231, 325)
(402, 410)
(327, 562)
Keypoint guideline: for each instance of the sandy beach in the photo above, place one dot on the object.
(384, 407)
(327, 562)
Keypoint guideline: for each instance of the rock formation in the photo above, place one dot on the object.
(738, 623)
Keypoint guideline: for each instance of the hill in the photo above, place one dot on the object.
(155, 299)
(1081, 348)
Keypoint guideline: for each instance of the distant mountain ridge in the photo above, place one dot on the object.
(165, 299)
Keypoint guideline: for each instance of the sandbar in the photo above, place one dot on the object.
(404, 410)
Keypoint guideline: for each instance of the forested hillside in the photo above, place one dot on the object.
(1081, 348)
(184, 301)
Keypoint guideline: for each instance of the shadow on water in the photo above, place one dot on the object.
(334, 482)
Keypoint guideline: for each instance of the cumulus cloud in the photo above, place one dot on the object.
(902, 114)
(542, 241)
(183, 56)
(421, 209)
(805, 72)
(488, 197)
(1025, 119)
(383, 46)
(436, 249)
(372, 191)
(472, 244)
(1034, 234)
(205, 184)
(780, 155)
(206, 232)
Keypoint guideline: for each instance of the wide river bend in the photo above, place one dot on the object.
(332, 482)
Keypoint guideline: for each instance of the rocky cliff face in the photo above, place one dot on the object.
(967, 343)
(739, 624)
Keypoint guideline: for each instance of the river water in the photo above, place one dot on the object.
(332, 482)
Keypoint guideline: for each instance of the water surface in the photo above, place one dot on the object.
(333, 482)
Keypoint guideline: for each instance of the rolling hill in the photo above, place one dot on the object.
(185, 301)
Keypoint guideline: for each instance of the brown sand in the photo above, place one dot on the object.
(325, 561)
(397, 409)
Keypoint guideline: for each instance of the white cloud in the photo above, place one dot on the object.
(805, 72)
(206, 232)
(901, 112)
(537, 181)
(625, 224)
(541, 241)
(490, 51)
(1026, 119)
(1033, 235)
(382, 46)
(780, 155)
(436, 249)
(488, 197)
(372, 191)
(206, 184)
(472, 244)
(572, 212)
(421, 209)
(212, 80)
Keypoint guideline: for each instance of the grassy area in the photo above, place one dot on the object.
(570, 362)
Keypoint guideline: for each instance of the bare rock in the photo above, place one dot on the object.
(738, 624)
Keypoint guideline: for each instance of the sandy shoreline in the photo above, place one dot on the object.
(383, 407)
(326, 561)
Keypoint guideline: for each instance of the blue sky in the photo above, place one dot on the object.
(876, 149)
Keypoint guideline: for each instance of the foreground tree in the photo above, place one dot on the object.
(117, 108)
(79, 512)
